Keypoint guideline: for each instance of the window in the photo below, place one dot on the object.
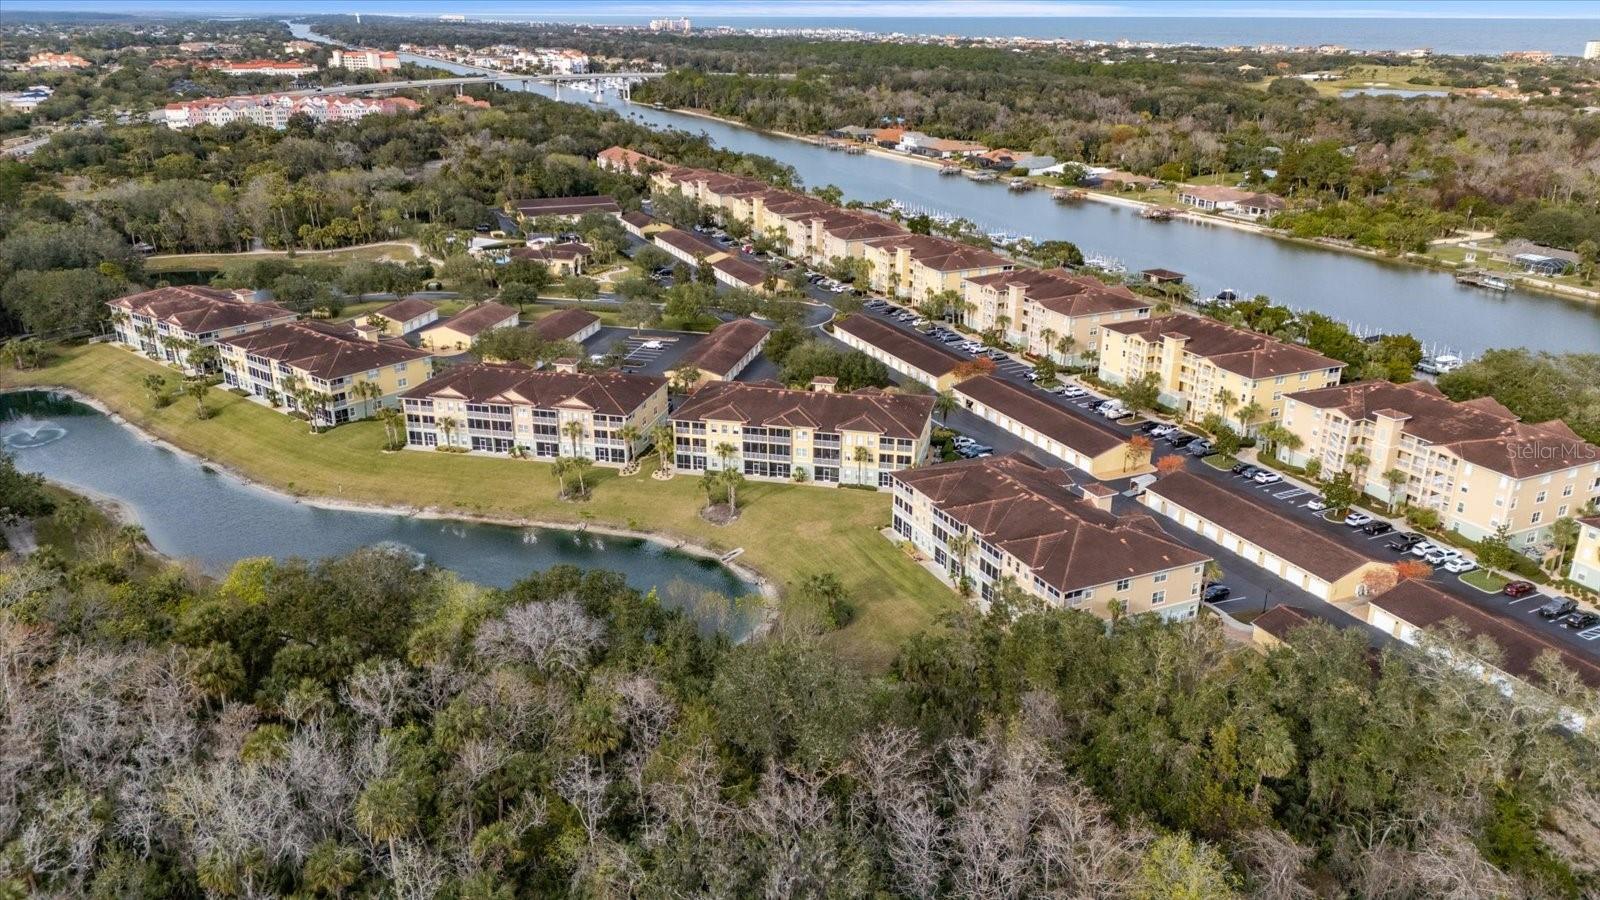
(1124, 584)
(1157, 598)
(1539, 497)
(1161, 578)
(1534, 519)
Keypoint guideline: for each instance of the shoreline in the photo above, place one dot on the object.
(1192, 217)
(764, 585)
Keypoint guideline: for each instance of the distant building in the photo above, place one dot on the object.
(166, 324)
(264, 67)
(56, 62)
(1591, 50)
(566, 207)
(1232, 201)
(458, 333)
(365, 60)
(722, 354)
(28, 100)
(679, 25)
(275, 110)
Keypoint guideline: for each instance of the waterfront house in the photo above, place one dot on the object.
(1009, 518)
(568, 208)
(771, 432)
(168, 323)
(1231, 201)
(1474, 463)
(1036, 309)
(318, 369)
(931, 364)
(722, 354)
(403, 316)
(1081, 443)
(458, 333)
(501, 408)
(1203, 366)
(917, 266)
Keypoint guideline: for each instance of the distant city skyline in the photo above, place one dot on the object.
(849, 9)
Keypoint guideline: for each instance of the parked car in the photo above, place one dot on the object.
(1163, 430)
(1266, 478)
(1357, 519)
(1518, 589)
(1441, 556)
(1215, 593)
(1404, 543)
(1460, 565)
(1246, 470)
(1148, 427)
(1181, 440)
(1578, 621)
(1201, 447)
(1115, 411)
(1558, 608)
(1373, 529)
(1316, 504)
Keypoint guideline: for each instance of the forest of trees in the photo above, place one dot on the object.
(360, 727)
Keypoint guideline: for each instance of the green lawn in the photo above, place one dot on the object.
(1485, 581)
(394, 251)
(787, 531)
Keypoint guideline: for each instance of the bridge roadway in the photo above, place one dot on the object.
(497, 78)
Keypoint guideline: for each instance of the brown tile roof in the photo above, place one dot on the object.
(1283, 536)
(722, 349)
(403, 311)
(566, 206)
(1237, 350)
(1065, 293)
(1520, 643)
(943, 254)
(1482, 433)
(847, 225)
(1282, 620)
(199, 310)
(688, 243)
(624, 158)
(639, 219)
(1041, 415)
(771, 404)
(563, 324)
(607, 393)
(1024, 508)
(902, 345)
(324, 350)
(744, 272)
(474, 320)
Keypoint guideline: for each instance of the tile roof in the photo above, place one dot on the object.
(403, 311)
(199, 310)
(563, 324)
(608, 393)
(623, 158)
(323, 350)
(474, 320)
(902, 345)
(566, 206)
(686, 242)
(722, 349)
(1041, 415)
(639, 219)
(1025, 509)
(1066, 293)
(744, 272)
(1247, 353)
(772, 404)
(1482, 431)
(1520, 643)
(1283, 536)
(943, 254)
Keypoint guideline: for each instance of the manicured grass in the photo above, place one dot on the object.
(394, 251)
(1485, 581)
(787, 531)
(1220, 461)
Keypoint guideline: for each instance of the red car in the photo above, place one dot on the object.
(1518, 589)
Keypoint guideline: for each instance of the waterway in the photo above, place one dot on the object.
(193, 512)
(1369, 294)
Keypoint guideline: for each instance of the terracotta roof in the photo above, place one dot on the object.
(687, 242)
(741, 271)
(624, 158)
(566, 206)
(1591, 521)
(608, 393)
(1283, 536)
(1042, 416)
(1065, 293)
(199, 310)
(323, 350)
(1520, 643)
(847, 225)
(1237, 350)
(474, 320)
(405, 310)
(1281, 620)
(639, 219)
(563, 324)
(772, 404)
(902, 345)
(1482, 432)
(943, 254)
(1026, 510)
(722, 349)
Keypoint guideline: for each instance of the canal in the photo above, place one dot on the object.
(192, 512)
(1370, 295)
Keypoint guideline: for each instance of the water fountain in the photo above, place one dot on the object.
(26, 433)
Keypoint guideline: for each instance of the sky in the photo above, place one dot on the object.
(600, 9)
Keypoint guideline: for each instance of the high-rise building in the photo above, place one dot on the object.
(1591, 50)
(680, 25)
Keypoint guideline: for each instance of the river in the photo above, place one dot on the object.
(192, 512)
(1371, 295)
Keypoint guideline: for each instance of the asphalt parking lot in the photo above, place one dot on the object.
(648, 352)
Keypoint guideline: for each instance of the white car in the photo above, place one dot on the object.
(1266, 478)
(1113, 411)
(1441, 556)
(1423, 549)
(1316, 505)
(1459, 565)
(651, 345)
(1357, 519)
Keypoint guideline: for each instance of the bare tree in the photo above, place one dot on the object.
(552, 637)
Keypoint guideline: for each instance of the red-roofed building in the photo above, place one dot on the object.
(168, 323)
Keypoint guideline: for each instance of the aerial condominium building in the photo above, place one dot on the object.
(320, 369)
(1049, 312)
(768, 431)
(169, 323)
(722, 354)
(1008, 517)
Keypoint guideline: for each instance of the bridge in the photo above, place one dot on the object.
(506, 79)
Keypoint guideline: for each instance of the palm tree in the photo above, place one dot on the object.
(664, 440)
(1249, 413)
(561, 468)
(960, 547)
(393, 426)
(1048, 337)
(1064, 346)
(1356, 460)
(733, 478)
(944, 404)
(198, 388)
(448, 426)
(628, 433)
(861, 456)
(1564, 534)
(1395, 479)
(725, 452)
(1226, 400)
(574, 430)
(580, 465)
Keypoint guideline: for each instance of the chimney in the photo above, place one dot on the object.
(1097, 495)
(825, 384)
(565, 364)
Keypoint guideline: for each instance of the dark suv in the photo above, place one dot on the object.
(1558, 608)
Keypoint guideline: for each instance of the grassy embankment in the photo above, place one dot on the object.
(787, 531)
(390, 251)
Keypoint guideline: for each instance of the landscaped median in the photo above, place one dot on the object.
(787, 531)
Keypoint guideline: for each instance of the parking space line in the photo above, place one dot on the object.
(1590, 634)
